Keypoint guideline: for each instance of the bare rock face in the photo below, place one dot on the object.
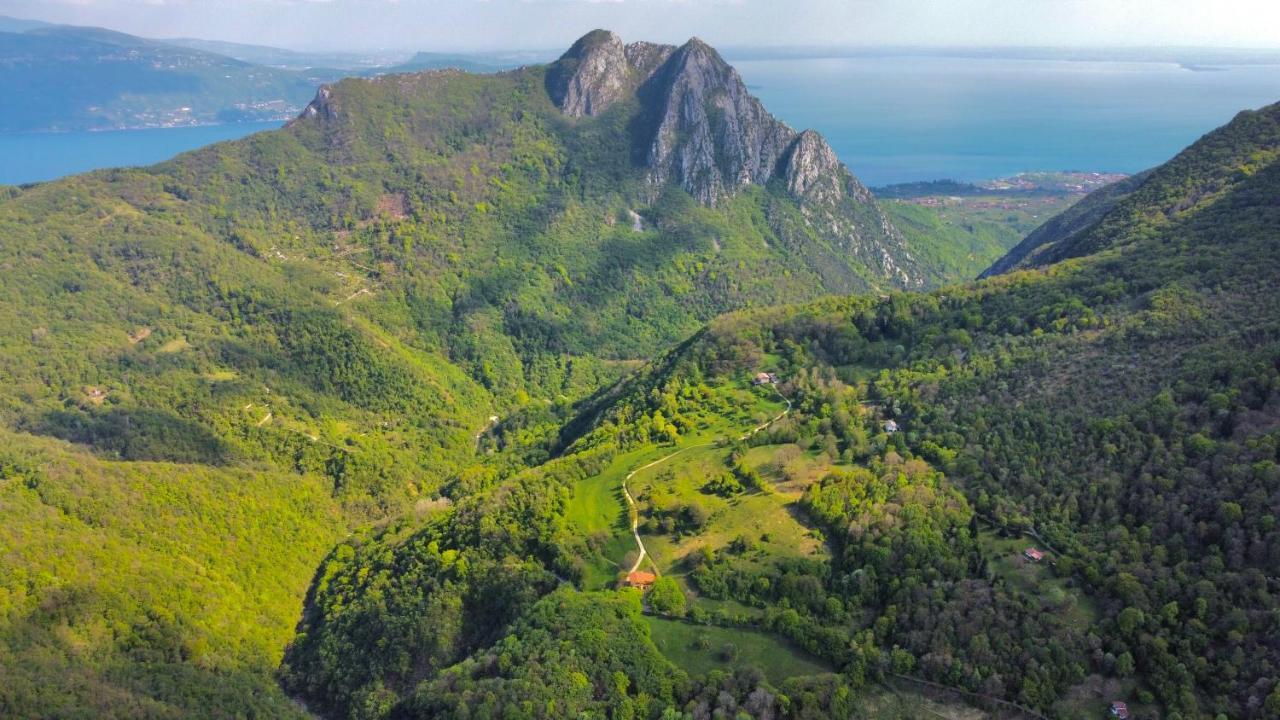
(836, 204)
(697, 126)
(712, 136)
(322, 105)
(702, 128)
(599, 70)
(591, 76)
(813, 171)
(645, 58)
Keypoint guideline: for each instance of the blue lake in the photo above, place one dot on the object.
(31, 157)
(890, 118)
(899, 119)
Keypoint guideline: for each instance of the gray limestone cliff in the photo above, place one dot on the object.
(697, 126)
(813, 172)
(710, 135)
(703, 129)
(591, 76)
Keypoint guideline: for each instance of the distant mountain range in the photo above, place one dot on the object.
(73, 78)
(288, 59)
(20, 25)
(85, 78)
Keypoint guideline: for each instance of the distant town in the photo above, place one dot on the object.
(1028, 184)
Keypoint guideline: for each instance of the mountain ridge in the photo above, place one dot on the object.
(1116, 412)
(374, 379)
(1191, 182)
(702, 128)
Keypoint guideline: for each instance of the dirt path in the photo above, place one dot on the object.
(493, 422)
(635, 514)
(354, 295)
(781, 415)
(631, 502)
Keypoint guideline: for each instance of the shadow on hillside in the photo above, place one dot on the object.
(134, 434)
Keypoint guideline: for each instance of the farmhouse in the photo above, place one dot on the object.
(1120, 710)
(1033, 554)
(764, 378)
(890, 426)
(640, 579)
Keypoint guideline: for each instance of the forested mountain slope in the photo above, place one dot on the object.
(1120, 410)
(1061, 228)
(421, 322)
(326, 318)
(1147, 203)
(1125, 406)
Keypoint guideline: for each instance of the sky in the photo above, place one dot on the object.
(363, 25)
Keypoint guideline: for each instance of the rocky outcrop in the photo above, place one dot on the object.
(599, 70)
(813, 171)
(322, 105)
(645, 58)
(591, 76)
(699, 127)
(711, 135)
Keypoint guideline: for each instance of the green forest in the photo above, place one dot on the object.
(372, 417)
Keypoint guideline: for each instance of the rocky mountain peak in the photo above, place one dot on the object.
(323, 105)
(709, 133)
(813, 171)
(699, 127)
(591, 76)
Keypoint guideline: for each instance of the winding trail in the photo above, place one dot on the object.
(634, 513)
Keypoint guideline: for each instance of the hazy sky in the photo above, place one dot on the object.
(532, 24)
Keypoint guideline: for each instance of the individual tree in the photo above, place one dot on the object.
(667, 598)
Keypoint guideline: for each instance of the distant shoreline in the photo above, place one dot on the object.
(1210, 59)
(144, 128)
(1202, 68)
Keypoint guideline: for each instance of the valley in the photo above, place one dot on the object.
(595, 390)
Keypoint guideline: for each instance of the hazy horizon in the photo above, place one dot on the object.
(544, 25)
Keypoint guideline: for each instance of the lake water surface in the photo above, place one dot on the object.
(890, 118)
(899, 119)
(32, 157)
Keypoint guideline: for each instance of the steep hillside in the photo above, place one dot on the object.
(956, 238)
(469, 328)
(334, 314)
(699, 127)
(1120, 410)
(150, 589)
(1063, 227)
(1117, 412)
(1187, 185)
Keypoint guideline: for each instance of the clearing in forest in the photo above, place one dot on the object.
(699, 649)
(598, 508)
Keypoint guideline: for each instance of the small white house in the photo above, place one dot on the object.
(890, 427)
